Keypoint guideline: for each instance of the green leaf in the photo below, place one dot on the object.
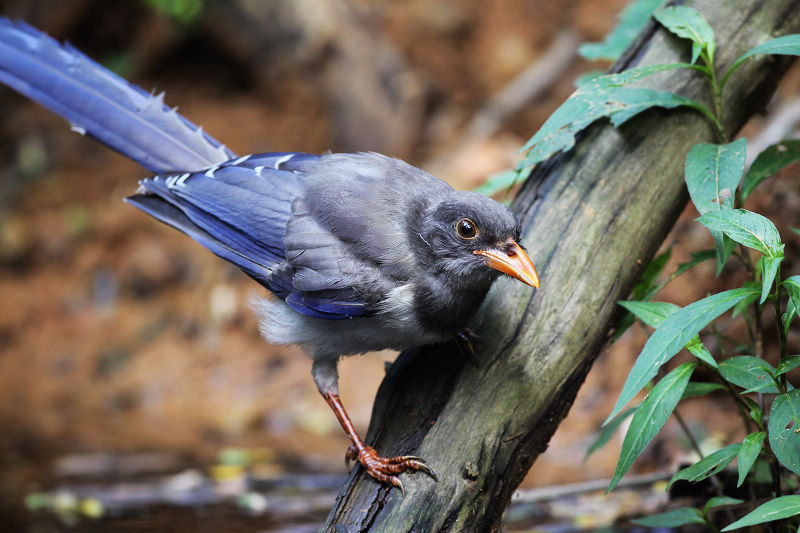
(699, 388)
(585, 78)
(672, 335)
(631, 21)
(699, 350)
(742, 306)
(674, 518)
(630, 102)
(787, 45)
(776, 509)
(748, 453)
(184, 12)
(769, 269)
(749, 373)
(654, 313)
(784, 429)
(599, 97)
(754, 410)
(643, 290)
(788, 316)
(607, 431)
(503, 181)
(689, 23)
(724, 247)
(719, 501)
(792, 286)
(747, 228)
(790, 363)
(712, 173)
(651, 272)
(697, 258)
(708, 466)
(769, 162)
(651, 416)
(651, 313)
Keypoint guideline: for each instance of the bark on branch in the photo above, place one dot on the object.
(592, 218)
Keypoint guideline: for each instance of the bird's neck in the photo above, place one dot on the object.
(445, 309)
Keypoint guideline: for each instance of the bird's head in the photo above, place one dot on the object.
(471, 239)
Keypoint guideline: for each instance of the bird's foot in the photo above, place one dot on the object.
(386, 469)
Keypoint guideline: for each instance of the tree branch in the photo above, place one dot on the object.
(592, 219)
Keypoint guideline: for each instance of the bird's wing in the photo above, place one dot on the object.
(242, 212)
(238, 210)
(323, 276)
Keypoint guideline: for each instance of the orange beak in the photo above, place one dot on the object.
(511, 259)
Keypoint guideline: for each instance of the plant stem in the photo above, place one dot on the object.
(688, 433)
(776, 474)
(719, 337)
(741, 406)
(776, 302)
(716, 91)
(758, 348)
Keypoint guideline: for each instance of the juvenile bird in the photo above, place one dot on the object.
(362, 252)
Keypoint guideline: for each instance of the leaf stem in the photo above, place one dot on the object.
(718, 336)
(719, 130)
(741, 406)
(716, 91)
(776, 302)
(688, 433)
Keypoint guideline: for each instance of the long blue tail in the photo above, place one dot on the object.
(99, 103)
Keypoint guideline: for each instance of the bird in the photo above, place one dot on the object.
(361, 251)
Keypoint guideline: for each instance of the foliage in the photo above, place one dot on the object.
(718, 185)
(609, 96)
(181, 11)
(631, 22)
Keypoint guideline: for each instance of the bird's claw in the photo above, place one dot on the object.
(464, 342)
(350, 455)
(386, 469)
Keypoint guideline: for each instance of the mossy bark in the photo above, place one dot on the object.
(592, 218)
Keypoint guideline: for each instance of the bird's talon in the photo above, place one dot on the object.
(464, 342)
(422, 467)
(350, 455)
(471, 334)
(387, 469)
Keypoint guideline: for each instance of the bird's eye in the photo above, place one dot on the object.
(466, 229)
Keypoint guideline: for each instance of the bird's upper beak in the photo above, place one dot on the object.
(509, 258)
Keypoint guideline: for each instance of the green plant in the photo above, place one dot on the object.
(717, 184)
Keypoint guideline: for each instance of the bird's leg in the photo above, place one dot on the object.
(383, 469)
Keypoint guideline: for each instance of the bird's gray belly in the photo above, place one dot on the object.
(394, 327)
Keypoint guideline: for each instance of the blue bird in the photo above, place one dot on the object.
(362, 252)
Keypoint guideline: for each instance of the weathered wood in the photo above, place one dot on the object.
(592, 218)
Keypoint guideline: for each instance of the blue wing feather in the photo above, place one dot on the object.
(101, 104)
(173, 216)
(238, 209)
(241, 210)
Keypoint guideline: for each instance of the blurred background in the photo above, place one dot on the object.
(130, 363)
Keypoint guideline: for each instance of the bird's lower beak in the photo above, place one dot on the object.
(511, 259)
